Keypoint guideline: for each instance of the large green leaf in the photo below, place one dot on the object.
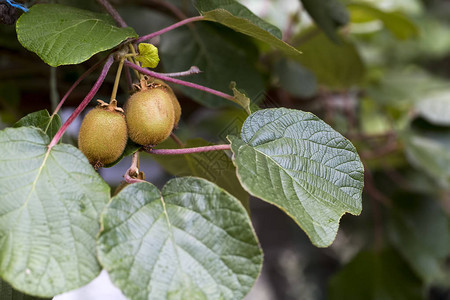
(295, 161)
(328, 15)
(50, 203)
(376, 275)
(50, 124)
(337, 66)
(214, 166)
(63, 35)
(418, 228)
(237, 17)
(213, 50)
(194, 241)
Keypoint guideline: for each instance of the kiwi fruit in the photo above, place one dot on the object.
(157, 83)
(103, 134)
(150, 116)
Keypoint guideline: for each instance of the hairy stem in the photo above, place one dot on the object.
(133, 60)
(113, 12)
(180, 82)
(192, 70)
(189, 150)
(169, 28)
(84, 75)
(132, 174)
(116, 81)
(84, 103)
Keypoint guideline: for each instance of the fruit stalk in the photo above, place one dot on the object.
(189, 150)
(178, 81)
(84, 103)
(169, 28)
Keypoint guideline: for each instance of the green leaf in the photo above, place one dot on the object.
(8, 293)
(328, 15)
(213, 50)
(237, 17)
(148, 55)
(418, 228)
(295, 161)
(214, 166)
(338, 66)
(239, 11)
(400, 26)
(435, 107)
(195, 241)
(376, 275)
(41, 119)
(63, 35)
(49, 210)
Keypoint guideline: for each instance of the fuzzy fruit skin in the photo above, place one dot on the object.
(175, 103)
(150, 116)
(103, 136)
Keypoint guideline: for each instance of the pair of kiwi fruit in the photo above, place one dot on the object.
(149, 117)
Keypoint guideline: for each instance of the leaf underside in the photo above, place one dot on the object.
(295, 161)
(49, 211)
(193, 240)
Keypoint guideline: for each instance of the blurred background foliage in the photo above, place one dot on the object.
(377, 71)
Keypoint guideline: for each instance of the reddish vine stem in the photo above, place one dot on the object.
(177, 81)
(169, 28)
(113, 12)
(84, 103)
(76, 83)
(189, 150)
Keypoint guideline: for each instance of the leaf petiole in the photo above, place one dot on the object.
(189, 150)
(84, 103)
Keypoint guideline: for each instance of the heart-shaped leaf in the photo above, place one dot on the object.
(297, 162)
(64, 35)
(50, 124)
(50, 203)
(194, 241)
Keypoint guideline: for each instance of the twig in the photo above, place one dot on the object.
(84, 75)
(84, 103)
(113, 12)
(191, 71)
(169, 28)
(189, 150)
(180, 82)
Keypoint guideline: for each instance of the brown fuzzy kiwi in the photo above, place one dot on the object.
(150, 116)
(103, 134)
(157, 83)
